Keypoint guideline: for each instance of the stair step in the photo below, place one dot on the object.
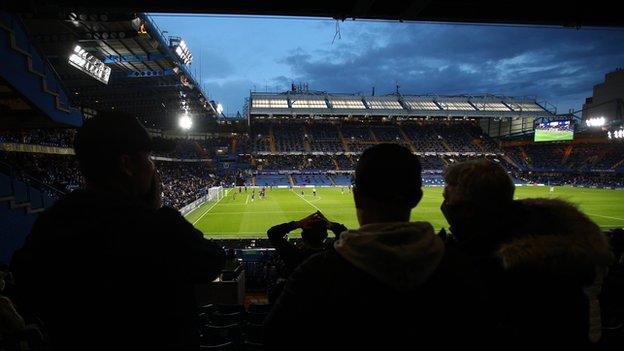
(35, 210)
(18, 205)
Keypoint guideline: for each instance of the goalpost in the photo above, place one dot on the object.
(214, 195)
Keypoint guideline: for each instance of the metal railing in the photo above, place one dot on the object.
(30, 181)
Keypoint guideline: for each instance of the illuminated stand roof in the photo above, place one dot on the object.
(395, 105)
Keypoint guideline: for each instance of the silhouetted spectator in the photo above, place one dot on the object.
(106, 267)
(314, 232)
(10, 319)
(389, 283)
(543, 261)
(612, 295)
(313, 240)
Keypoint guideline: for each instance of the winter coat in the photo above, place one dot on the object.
(543, 270)
(384, 285)
(105, 272)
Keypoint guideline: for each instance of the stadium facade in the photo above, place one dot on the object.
(497, 115)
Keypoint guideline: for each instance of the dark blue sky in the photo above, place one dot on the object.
(237, 55)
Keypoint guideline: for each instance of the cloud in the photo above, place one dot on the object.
(229, 92)
(560, 65)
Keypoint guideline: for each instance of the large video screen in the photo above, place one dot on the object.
(554, 131)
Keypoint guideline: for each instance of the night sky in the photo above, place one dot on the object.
(236, 55)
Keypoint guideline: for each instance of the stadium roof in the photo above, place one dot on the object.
(148, 79)
(315, 104)
(588, 13)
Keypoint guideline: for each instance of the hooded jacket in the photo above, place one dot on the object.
(544, 270)
(385, 284)
(103, 271)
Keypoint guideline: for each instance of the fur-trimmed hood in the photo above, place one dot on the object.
(553, 236)
(402, 254)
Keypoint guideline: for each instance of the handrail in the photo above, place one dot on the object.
(29, 180)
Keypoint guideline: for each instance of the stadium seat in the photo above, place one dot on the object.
(228, 346)
(252, 346)
(223, 308)
(255, 317)
(217, 335)
(253, 333)
(259, 308)
(221, 319)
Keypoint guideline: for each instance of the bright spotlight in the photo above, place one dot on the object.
(89, 64)
(595, 122)
(185, 122)
(219, 108)
(179, 47)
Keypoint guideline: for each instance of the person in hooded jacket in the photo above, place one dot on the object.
(542, 260)
(390, 283)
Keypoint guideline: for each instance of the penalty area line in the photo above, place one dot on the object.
(210, 208)
(597, 215)
(309, 203)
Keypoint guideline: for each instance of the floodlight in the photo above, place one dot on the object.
(595, 122)
(182, 51)
(219, 108)
(185, 122)
(89, 64)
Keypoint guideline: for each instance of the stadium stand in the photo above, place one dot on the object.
(316, 141)
(45, 137)
(324, 137)
(182, 182)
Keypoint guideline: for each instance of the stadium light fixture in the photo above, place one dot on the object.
(595, 122)
(89, 64)
(182, 51)
(219, 108)
(185, 122)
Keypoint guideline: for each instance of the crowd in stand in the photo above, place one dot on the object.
(182, 182)
(296, 136)
(58, 171)
(185, 182)
(109, 265)
(597, 179)
(46, 137)
(578, 157)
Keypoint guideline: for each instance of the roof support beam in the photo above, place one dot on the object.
(134, 58)
(149, 73)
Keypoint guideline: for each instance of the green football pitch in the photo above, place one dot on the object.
(562, 135)
(236, 216)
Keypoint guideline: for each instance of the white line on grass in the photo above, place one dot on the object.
(256, 212)
(247, 199)
(597, 215)
(311, 204)
(210, 208)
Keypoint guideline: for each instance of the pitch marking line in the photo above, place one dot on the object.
(597, 215)
(215, 204)
(255, 212)
(309, 203)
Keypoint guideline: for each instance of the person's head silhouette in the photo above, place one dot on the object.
(113, 152)
(387, 184)
(476, 193)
